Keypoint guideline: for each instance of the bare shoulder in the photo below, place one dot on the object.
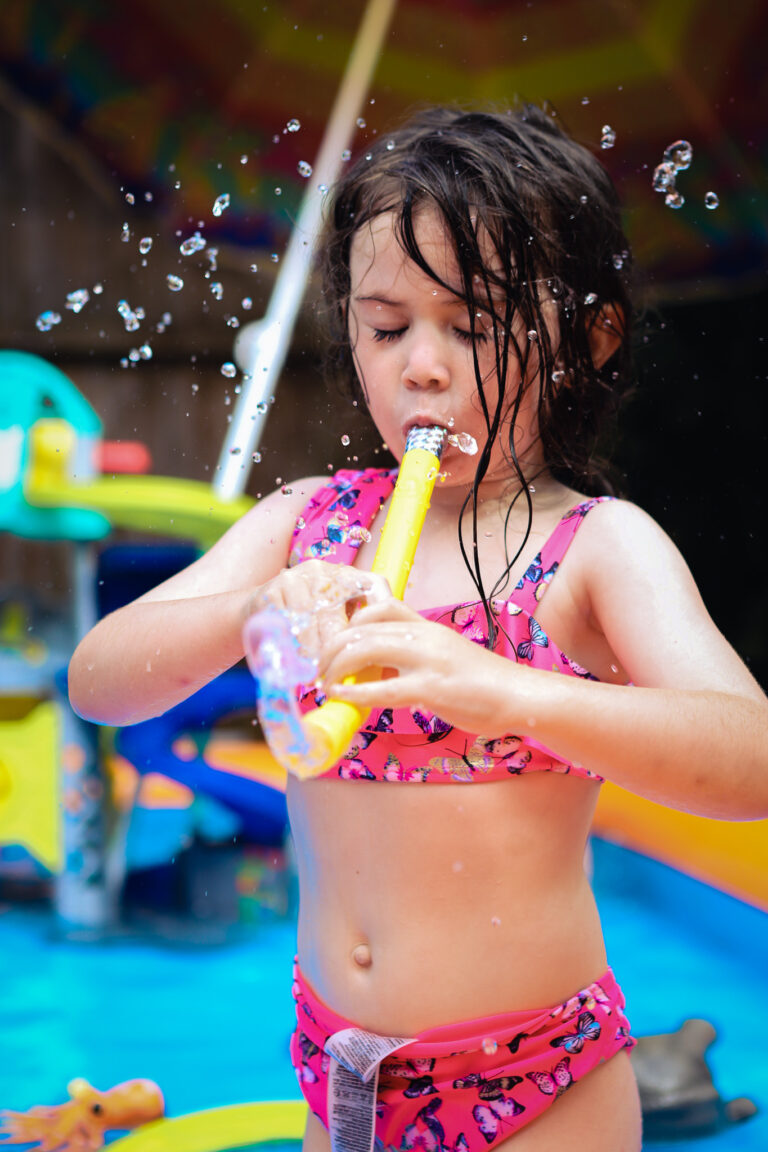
(251, 552)
(641, 595)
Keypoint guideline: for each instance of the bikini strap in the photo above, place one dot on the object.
(533, 584)
(332, 524)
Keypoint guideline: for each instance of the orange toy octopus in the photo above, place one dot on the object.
(80, 1124)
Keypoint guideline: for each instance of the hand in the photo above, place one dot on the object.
(425, 665)
(318, 598)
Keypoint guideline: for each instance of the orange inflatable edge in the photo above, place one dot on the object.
(730, 855)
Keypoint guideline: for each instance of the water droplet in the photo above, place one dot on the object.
(235, 451)
(585, 99)
(663, 177)
(293, 125)
(47, 320)
(274, 258)
(679, 155)
(590, 298)
(145, 244)
(369, 156)
(229, 369)
(254, 268)
(195, 389)
(77, 300)
(175, 283)
(489, 1046)
(358, 533)
(217, 289)
(244, 158)
(346, 155)
(345, 440)
(674, 199)
(167, 318)
(278, 191)
(130, 318)
(98, 289)
(130, 198)
(360, 122)
(192, 244)
(304, 169)
(533, 335)
(464, 442)
(261, 407)
(220, 203)
(125, 235)
(390, 145)
(233, 322)
(256, 457)
(286, 491)
(322, 189)
(496, 921)
(558, 376)
(614, 669)
(177, 184)
(711, 200)
(607, 136)
(583, 199)
(618, 261)
(246, 303)
(145, 351)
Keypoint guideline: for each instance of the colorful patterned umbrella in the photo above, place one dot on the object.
(186, 102)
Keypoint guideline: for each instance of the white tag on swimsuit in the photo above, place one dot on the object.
(353, 1078)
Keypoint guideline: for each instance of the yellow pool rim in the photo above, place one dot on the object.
(219, 1129)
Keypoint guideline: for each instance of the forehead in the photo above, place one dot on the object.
(377, 254)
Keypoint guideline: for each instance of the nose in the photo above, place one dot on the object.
(427, 364)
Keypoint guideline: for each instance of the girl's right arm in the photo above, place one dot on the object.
(148, 656)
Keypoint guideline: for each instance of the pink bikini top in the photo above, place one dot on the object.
(406, 744)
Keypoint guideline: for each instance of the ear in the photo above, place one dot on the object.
(605, 333)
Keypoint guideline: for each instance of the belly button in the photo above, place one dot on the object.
(362, 956)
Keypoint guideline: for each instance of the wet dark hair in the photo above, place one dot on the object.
(516, 184)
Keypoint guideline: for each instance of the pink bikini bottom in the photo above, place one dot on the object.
(458, 1088)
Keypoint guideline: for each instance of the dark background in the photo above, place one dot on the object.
(98, 100)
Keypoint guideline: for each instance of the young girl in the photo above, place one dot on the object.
(452, 986)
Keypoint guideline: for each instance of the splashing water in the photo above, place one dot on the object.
(220, 203)
(463, 441)
(607, 136)
(77, 300)
(217, 289)
(130, 317)
(663, 177)
(679, 155)
(47, 320)
(674, 199)
(192, 244)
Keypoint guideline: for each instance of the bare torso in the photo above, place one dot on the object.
(422, 906)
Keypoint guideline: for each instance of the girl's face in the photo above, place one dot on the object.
(412, 345)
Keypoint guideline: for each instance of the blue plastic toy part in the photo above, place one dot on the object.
(148, 746)
(31, 389)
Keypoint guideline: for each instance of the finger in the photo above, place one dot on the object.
(385, 610)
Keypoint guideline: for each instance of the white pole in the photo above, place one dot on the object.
(261, 347)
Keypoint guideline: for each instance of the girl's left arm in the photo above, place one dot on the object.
(691, 731)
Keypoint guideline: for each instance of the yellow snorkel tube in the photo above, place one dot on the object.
(332, 727)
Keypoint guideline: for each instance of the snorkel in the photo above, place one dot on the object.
(308, 745)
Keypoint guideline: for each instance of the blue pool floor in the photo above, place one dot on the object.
(211, 1025)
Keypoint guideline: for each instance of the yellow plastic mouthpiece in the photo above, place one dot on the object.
(332, 727)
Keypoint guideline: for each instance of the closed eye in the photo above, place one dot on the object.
(387, 335)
